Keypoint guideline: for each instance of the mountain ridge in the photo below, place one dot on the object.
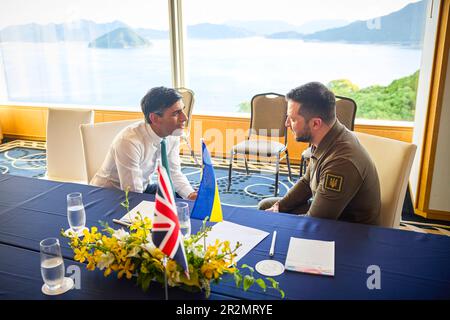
(120, 38)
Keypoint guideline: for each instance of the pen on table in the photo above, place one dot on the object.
(123, 223)
(272, 246)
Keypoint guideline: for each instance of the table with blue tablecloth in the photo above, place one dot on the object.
(412, 265)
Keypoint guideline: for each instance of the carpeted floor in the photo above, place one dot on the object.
(23, 158)
(28, 158)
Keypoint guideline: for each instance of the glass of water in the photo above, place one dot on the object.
(75, 212)
(52, 264)
(184, 218)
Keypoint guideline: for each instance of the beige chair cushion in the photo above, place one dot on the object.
(188, 100)
(65, 160)
(393, 160)
(259, 147)
(268, 115)
(97, 139)
(345, 112)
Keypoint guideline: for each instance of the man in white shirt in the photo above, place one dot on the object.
(132, 157)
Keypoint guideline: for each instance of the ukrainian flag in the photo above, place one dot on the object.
(208, 201)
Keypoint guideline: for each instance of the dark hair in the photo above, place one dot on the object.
(157, 100)
(315, 100)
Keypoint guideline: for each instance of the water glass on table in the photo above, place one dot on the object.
(52, 268)
(184, 218)
(76, 214)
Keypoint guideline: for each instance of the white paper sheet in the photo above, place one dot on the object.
(310, 256)
(248, 237)
(145, 208)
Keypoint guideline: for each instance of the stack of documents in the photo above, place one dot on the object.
(145, 209)
(310, 256)
(232, 232)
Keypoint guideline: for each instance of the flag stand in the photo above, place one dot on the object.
(165, 277)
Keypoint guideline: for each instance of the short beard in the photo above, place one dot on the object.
(304, 138)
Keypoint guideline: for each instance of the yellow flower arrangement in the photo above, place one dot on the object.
(132, 253)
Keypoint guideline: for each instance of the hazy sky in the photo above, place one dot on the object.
(153, 13)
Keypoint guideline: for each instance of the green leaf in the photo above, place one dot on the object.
(282, 294)
(237, 279)
(248, 267)
(146, 282)
(273, 283)
(261, 283)
(248, 282)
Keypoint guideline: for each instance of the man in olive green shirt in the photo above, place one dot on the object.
(341, 181)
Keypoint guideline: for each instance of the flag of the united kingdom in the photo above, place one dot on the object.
(166, 233)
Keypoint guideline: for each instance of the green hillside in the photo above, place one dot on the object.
(121, 38)
(396, 101)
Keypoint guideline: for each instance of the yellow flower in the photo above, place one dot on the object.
(109, 242)
(141, 224)
(108, 270)
(75, 241)
(171, 266)
(127, 268)
(91, 263)
(121, 254)
(88, 237)
(226, 246)
(133, 252)
(81, 254)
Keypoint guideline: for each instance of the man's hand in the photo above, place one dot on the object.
(273, 208)
(192, 195)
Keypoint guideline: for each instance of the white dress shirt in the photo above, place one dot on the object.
(132, 157)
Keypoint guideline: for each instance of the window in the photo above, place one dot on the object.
(110, 52)
(96, 53)
(367, 50)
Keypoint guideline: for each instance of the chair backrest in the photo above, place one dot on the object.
(268, 115)
(188, 99)
(97, 139)
(64, 149)
(393, 160)
(346, 111)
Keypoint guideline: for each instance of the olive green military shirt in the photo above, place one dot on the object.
(341, 179)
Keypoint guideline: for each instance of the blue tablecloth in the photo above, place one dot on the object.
(413, 265)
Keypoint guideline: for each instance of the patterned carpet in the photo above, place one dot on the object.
(28, 158)
(23, 158)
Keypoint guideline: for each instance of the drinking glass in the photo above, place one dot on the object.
(184, 218)
(52, 264)
(75, 212)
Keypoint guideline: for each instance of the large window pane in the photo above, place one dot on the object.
(100, 52)
(368, 50)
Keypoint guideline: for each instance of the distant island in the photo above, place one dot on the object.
(120, 38)
(404, 27)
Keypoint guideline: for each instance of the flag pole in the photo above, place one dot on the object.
(165, 277)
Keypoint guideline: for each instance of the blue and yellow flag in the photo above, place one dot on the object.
(208, 201)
